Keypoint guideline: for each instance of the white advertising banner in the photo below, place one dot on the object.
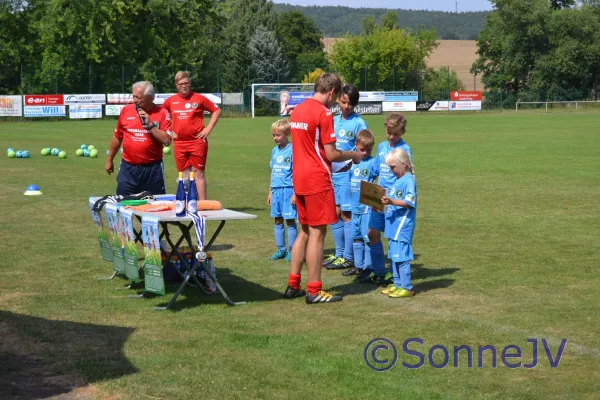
(119, 98)
(113, 109)
(83, 111)
(85, 99)
(465, 105)
(11, 106)
(44, 111)
(399, 106)
(439, 106)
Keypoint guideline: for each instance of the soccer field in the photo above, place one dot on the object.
(507, 244)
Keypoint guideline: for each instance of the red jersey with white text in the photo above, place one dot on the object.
(311, 125)
(188, 114)
(139, 146)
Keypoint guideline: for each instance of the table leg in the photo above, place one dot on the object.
(108, 278)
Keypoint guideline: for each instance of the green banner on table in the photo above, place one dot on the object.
(105, 247)
(114, 235)
(153, 276)
(130, 249)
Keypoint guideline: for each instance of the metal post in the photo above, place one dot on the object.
(90, 78)
(393, 77)
(122, 78)
(448, 88)
(365, 78)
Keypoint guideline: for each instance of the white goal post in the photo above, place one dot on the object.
(576, 105)
(279, 93)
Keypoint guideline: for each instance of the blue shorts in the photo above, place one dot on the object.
(400, 251)
(281, 203)
(377, 220)
(360, 227)
(343, 198)
(133, 179)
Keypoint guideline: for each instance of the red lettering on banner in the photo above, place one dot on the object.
(47, 99)
(462, 95)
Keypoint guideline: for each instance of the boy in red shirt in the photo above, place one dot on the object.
(190, 145)
(313, 149)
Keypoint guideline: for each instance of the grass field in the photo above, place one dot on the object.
(507, 242)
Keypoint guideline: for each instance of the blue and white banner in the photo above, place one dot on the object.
(289, 100)
(44, 111)
(83, 111)
(85, 99)
(402, 96)
(113, 109)
(372, 97)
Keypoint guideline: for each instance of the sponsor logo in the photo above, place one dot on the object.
(44, 99)
(425, 105)
(6, 103)
(301, 125)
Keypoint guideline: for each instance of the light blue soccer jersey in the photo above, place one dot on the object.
(360, 172)
(379, 167)
(345, 131)
(400, 221)
(281, 167)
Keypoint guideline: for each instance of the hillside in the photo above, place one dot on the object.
(337, 21)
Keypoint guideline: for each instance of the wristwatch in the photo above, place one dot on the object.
(154, 125)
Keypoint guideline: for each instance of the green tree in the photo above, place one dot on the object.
(438, 83)
(301, 42)
(558, 4)
(368, 25)
(383, 58)
(268, 63)
(242, 19)
(389, 20)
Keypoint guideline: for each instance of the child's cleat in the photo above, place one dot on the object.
(330, 258)
(376, 279)
(338, 263)
(401, 293)
(291, 293)
(279, 254)
(389, 289)
(322, 297)
(288, 256)
(351, 272)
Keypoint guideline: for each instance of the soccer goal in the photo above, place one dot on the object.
(278, 98)
(558, 106)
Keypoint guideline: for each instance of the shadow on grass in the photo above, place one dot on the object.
(237, 288)
(40, 358)
(221, 247)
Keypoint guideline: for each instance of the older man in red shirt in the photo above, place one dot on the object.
(190, 146)
(142, 129)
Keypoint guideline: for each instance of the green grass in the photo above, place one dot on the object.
(507, 243)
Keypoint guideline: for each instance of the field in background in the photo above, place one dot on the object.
(507, 250)
(458, 54)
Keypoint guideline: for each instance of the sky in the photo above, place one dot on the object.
(435, 5)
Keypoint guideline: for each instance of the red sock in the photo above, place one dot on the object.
(294, 281)
(314, 287)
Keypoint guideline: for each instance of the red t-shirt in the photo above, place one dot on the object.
(312, 126)
(139, 146)
(188, 114)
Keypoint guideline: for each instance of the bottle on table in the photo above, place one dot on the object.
(192, 196)
(180, 198)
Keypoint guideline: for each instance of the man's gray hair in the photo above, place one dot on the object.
(148, 88)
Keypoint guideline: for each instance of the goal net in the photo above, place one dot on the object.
(271, 99)
(558, 106)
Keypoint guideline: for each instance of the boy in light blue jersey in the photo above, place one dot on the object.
(360, 212)
(395, 128)
(281, 197)
(346, 124)
(400, 215)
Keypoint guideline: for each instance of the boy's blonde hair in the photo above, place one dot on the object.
(396, 120)
(182, 74)
(281, 126)
(365, 137)
(397, 157)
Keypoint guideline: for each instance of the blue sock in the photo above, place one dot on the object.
(367, 260)
(377, 261)
(348, 249)
(337, 230)
(280, 237)
(359, 254)
(402, 270)
(292, 232)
